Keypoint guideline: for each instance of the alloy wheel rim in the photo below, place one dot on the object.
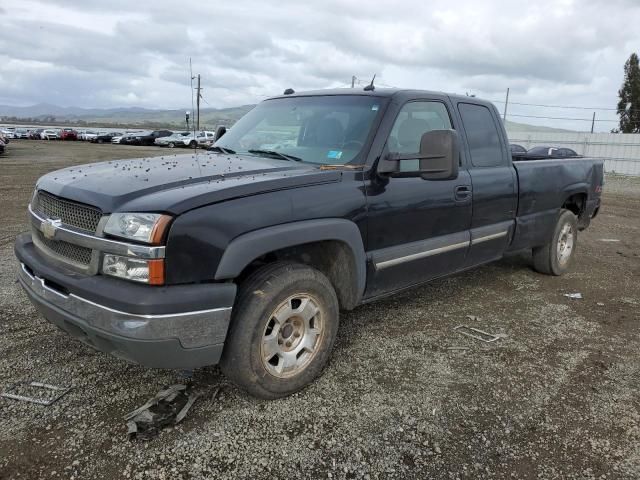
(292, 336)
(566, 240)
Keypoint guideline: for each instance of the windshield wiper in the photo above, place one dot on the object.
(216, 148)
(284, 156)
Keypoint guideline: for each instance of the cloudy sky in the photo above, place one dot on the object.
(124, 53)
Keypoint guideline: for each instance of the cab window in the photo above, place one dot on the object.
(414, 120)
(482, 136)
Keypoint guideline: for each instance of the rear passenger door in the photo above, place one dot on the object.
(494, 183)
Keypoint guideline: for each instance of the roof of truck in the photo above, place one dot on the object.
(379, 92)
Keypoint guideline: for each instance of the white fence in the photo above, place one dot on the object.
(620, 151)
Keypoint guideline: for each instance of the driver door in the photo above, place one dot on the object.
(418, 229)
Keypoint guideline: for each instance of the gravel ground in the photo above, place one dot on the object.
(557, 398)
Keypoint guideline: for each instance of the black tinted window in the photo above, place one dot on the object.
(482, 136)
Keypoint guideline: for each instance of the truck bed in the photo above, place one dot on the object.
(545, 185)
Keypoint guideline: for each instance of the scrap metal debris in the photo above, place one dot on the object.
(478, 334)
(575, 296)
(18, 391)
(168, 407)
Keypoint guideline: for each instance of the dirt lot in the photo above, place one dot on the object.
(557, 398)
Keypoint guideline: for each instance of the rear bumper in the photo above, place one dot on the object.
(159, 327)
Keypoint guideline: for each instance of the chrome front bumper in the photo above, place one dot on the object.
(192, 329)
(176, 340)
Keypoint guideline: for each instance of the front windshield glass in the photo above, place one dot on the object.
(321, 129)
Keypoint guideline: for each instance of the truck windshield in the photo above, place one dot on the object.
(321, 129)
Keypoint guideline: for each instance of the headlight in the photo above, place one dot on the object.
(145, 271)
(142, 227)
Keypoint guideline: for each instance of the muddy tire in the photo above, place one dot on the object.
(555, 257)
(282, 331)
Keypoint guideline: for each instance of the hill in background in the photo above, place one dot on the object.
(210, 118)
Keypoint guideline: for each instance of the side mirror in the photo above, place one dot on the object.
(220, 131)
(438, 157)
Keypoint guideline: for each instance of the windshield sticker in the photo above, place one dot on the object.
(375, 107)
(335, 154)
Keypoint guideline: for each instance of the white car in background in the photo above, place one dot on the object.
(202, 139)
(172, 140)
(82, 134)
(8, 132)
(50, 134)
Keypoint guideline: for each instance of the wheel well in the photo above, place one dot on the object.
(332, 257)
(576, 203)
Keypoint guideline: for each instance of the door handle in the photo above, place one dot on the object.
(463, 192)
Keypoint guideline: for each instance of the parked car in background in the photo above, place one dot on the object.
(202, 139)
(150, 138)
(172, 140)
(35, 134)
(21, 133)
(50, 134)
(2, 145)
(86, 134)
(105, 137)
(8, 132)
(550, 152)
(517, 150)
(132, 137)
(68, 134)
(117, 139)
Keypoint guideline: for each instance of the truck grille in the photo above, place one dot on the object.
(68, 251)
(71, 213)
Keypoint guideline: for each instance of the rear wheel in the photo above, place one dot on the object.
(555, 257)
(192, 144)
(171, 145)
(100, 140)
(283, 328)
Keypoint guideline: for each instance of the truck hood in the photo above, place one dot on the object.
(177, 183)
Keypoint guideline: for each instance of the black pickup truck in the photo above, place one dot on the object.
(310, 204)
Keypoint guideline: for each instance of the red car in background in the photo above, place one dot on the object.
(68, 134)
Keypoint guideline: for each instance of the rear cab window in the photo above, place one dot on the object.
(483, 136)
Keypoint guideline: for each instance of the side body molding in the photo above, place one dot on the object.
(249, 246)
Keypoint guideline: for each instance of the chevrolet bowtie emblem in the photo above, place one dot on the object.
(49, 227)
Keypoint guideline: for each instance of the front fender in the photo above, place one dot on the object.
(250, 246)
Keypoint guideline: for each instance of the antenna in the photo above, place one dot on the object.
(370, 87)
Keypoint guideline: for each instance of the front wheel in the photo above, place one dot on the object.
(283, 328)
(171, 145)
(555, 257)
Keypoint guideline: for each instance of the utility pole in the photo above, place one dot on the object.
(353, 81)
(506, 104)
(198, 105)
(593, 122)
